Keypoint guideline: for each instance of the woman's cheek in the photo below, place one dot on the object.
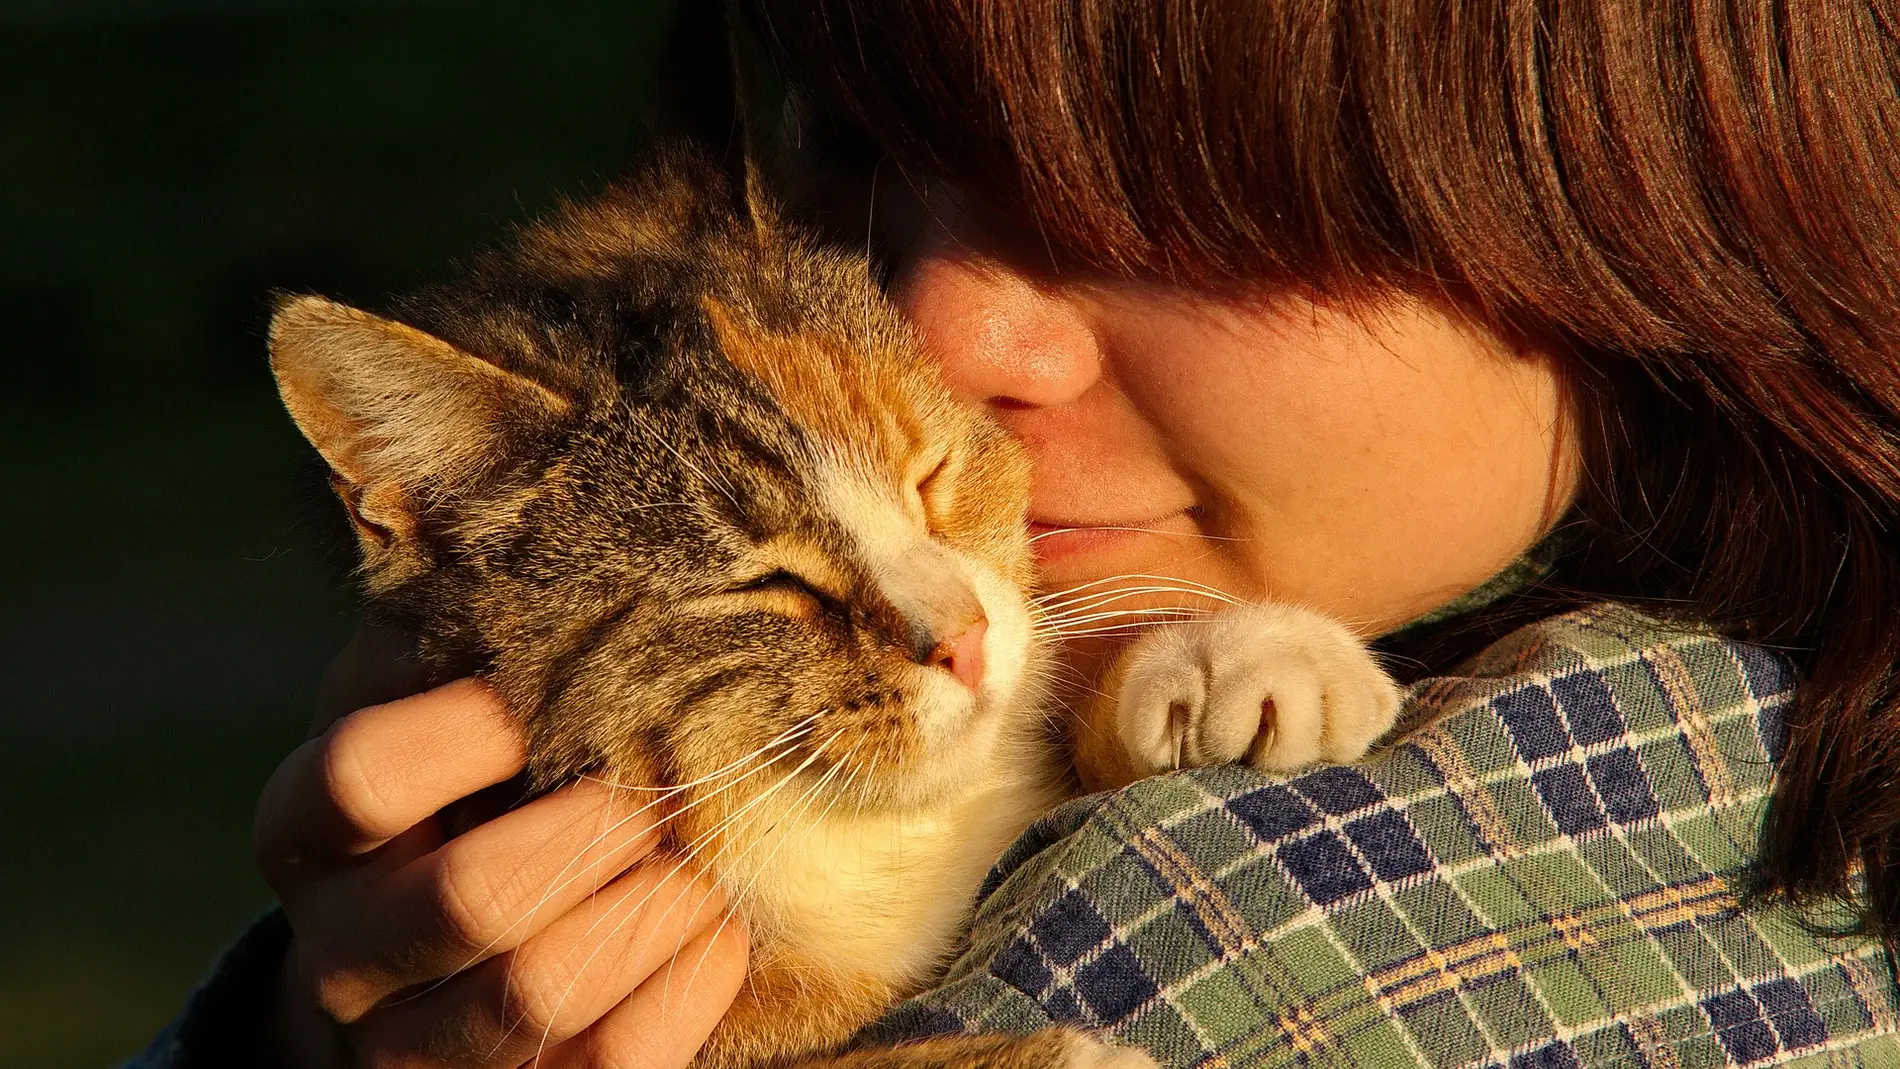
(1372, 466)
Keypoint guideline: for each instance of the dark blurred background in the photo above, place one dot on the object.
(170, 581)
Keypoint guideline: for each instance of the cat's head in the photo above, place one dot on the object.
(680, 484)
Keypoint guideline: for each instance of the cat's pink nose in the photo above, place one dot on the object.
(962, 655)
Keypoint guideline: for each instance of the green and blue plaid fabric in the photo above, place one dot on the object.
(1541, 873)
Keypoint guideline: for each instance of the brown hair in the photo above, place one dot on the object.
(1695, 200)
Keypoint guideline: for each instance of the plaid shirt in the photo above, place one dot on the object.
(1541, 874)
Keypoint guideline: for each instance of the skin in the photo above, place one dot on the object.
(347, 829)
(1373, 462)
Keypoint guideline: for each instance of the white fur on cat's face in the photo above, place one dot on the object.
(958, 726)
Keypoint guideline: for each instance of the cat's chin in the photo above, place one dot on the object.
(969, 751)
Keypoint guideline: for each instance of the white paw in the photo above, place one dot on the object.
(1084, 1051)
(1281, 686)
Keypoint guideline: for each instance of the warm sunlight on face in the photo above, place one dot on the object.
(1372, 464)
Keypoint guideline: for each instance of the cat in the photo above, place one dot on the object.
(678, 483)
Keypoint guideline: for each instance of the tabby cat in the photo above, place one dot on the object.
(676, 481)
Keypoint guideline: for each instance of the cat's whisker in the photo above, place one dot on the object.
(559, 882)
(635, 910)
(1135, 616)
(803, 727)
(712, 940)
(1091, 584)
(658, 824)
(1173, 580)
(720, 485)
(1129, 626)
(797, 807)
(1056, 632)
(870, 779)
(1060, 626)
(1058, 673)
(1113, 629)
(1154, 614)
(1108, 605)
(870, 220)
(1101, 598)
(1065, 694)
(1039, 599)
(637, 906)
(1139, 530)
(794, 810)
(1108, 599)
(1134, 626)
(1053, 604)
(1104, 597)
(691, 852)
(802, 805)
(732, 909)
(1100, 603)
(787, 738)
(693, 847)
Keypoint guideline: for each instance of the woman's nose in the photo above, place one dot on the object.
(1001, 337)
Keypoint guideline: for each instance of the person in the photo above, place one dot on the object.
(1554, 342)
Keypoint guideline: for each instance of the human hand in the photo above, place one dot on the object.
(545, 934)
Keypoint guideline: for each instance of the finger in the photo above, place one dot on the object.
(378, 772)
(376, 666)
(511, 1007)
(666, 1020)
(481, 894)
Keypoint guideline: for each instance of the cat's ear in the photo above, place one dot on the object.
(717, 90)
(402, 417)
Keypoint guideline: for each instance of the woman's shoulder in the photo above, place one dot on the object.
(1551, 847)
(1610, 718)
(1617, 654)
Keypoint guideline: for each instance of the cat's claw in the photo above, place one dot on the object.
(1280, 686)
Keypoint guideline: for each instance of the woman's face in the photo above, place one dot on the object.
(1373, 464)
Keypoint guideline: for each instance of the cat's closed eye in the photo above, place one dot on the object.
(775, 580)
(787, 584)
(926, 490)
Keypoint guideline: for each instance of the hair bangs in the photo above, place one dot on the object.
(1600, 170)
(1213, 161)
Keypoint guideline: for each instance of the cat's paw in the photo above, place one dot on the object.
(1281, 686)
(1084, 1051)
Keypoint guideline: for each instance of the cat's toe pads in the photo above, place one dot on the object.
(1280, 686)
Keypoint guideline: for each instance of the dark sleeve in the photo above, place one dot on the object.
(223, 1021)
